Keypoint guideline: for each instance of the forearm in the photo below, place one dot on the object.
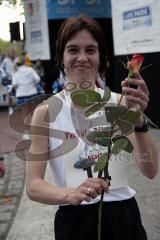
(41, 191)
(146, 154)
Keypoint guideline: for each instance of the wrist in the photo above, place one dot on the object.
(68, 196)
(139, 121)
(143, 128)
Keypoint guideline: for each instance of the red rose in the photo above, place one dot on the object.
(135, 63)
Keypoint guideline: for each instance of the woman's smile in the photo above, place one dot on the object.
(81, 67)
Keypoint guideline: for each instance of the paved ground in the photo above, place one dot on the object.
(8, 137)
(11, 188)
(148, 196)
(33, 221)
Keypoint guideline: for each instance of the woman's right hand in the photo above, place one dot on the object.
(87, 191)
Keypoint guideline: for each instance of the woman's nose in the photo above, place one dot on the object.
(82, 56)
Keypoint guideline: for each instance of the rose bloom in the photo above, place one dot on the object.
(135, 63)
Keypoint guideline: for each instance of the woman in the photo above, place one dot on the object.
(81, 54)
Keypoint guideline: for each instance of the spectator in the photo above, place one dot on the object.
(25, 81)
(8, 63)
(40, 71)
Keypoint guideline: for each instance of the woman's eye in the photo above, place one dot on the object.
(91, 50)
(72, 50)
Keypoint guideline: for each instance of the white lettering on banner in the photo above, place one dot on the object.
(75, 10)
(137, 13)
(63, 2)
(92, 2)
(73, 2)
(67, 10)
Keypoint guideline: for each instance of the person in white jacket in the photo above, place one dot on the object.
(25, 81)
(7, 65)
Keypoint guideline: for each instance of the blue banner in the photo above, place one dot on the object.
(61, 9)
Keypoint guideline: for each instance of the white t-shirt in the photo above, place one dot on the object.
(25, 80)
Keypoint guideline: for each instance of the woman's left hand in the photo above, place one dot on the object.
(138, 96)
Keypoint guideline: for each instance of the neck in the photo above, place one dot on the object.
(71, 86)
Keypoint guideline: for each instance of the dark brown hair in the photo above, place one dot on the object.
(73, 25)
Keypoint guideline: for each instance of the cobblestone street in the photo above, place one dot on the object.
(11, 187)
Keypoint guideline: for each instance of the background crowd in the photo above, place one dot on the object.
(20, 81)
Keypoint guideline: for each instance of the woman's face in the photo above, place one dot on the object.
(81, 57)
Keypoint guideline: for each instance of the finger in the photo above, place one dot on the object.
(143, 87)
(135, 92)
(99, 184)
(143, 96)
(140, 84)
(83, 197)
(105, 185)
(125, 82)
(87, 198)
(92, 192)
(132, 100)
(97, 187)
(137, 75)
(96, 180)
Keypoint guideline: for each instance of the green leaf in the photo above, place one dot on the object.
(129, 147)
(107, 95)
(101, 163)
(119, 144)
(94, 108)
(104, 142)
(114, 112)
(125, 126)
(99, 137)
(130, 116)
(148, 119)
(85, 98)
